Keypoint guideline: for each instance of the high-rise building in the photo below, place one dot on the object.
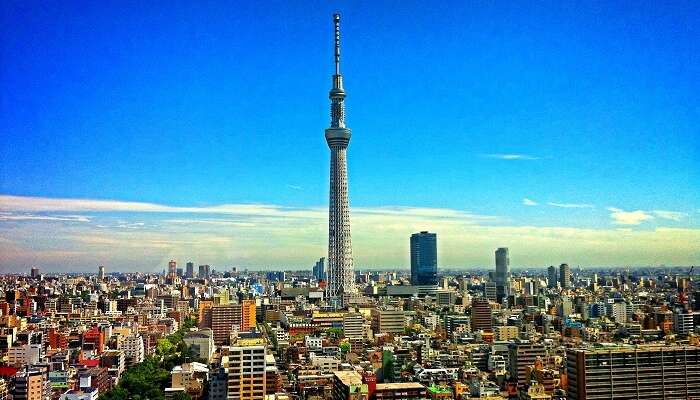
(481, 315)
(502, 273)
(101, 273)
(627, 373)
(353, 326)
(246, 370)
(523, 354)
(204, 271)
(424, 258)
(172, 271)
(388, 320)
(226, 318)
(133, 349)
(189, 271)
(565, 276)
(319, 269)
(35, 273)
(552, 278)
(341, 274)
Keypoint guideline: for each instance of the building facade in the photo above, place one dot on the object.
(502, 273)
(626, 373)
(424, 258)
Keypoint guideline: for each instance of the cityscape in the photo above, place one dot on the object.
(129, 274)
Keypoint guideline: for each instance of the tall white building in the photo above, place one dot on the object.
(341, 274)
(133, 349)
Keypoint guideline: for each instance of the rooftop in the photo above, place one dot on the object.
(399, 386)
(349, 378)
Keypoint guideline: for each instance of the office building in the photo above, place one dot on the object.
(319, 270)
(35, 274)
(522, 355)
(101, 273)
(172, 272)
(481, 315)
(353, 326)
(204, 272)
(388, 321)
(189, 270)
(552, 277)
(245, 364)
(632, 373)
(424, 259)
(565, 276)
(502, 273)
(491, 291)
(341, 273)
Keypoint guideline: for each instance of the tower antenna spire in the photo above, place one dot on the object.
(336, 21)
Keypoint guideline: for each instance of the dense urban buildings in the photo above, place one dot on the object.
(228, 332)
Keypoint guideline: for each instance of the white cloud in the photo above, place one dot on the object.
(622, 217)
(294, 187)
(528, 202)
(570, 205)
(672, 215)
(500, 156)
(10, 216)
(269, 236)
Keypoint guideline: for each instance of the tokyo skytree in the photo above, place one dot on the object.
(341, 274)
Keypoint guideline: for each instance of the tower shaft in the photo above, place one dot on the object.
(341, 274)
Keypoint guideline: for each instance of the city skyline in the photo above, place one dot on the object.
(561, 154)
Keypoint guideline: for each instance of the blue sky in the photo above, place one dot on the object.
(461, 110)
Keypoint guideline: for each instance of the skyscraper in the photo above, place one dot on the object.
(319, 270)
(172, 271)
(341, 275)
(565, 276)
(502, 273)
(424, 258)
(204, 271)
(189, 272)
(552, 277)
(101, 273)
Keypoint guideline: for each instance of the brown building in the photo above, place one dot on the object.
(523, 354)
(481, 315)
(222, 319)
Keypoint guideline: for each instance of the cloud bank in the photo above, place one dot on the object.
(79, 234)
